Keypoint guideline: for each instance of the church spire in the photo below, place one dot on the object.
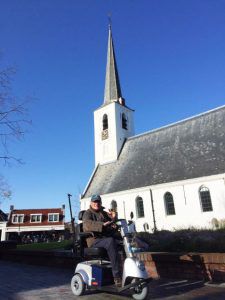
(112, 83)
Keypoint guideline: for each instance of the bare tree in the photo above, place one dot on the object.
(5, 191)
(13, 115)
(13, 122)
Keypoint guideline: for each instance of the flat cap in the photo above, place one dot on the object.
(96, 198)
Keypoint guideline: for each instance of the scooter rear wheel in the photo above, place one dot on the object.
(77, 285)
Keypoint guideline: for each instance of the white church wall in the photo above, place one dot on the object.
(147, 219)
(188, 206)
(195, 214)
(186, 201)
(164, 221)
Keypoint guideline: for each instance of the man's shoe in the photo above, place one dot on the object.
(118, 282)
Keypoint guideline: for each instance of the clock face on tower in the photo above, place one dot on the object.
(105, 134)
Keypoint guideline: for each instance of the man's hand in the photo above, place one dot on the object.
(107, 223)
(112, 214)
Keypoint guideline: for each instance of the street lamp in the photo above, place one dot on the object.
(72, 218)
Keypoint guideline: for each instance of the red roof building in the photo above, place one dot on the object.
(22, 221)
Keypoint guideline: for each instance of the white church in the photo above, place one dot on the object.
(171, 177)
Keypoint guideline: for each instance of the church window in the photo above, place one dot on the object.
(146, 227)
(105, 133)
(169, 204)
(124, 121)
(105, 122)
(140, 207)
(113, 205)
(205, 199)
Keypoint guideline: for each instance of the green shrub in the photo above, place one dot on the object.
(64, 245)
(185, 240)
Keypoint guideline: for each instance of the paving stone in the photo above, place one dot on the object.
(26, 282)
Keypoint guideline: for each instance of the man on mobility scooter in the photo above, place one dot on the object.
(98, 221)
(96, 272)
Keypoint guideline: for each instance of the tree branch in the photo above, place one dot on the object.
(13, 114)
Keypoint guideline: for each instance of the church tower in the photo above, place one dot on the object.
(113, 121)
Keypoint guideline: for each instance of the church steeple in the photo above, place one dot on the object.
(112, 82)
(113, 121)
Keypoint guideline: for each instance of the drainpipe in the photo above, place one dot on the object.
(185, 199)
(153, 211)
(124, 211)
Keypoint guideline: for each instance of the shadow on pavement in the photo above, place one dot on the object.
(16, 278)
(183, 289)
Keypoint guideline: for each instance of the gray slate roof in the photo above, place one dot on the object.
(189, 149)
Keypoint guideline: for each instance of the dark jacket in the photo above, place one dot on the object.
(93, 221)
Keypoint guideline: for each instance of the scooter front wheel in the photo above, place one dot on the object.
(140, 292)
(77, 285)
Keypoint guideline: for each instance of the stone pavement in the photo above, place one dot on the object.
(26, 282)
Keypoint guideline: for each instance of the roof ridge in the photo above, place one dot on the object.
(176, 123)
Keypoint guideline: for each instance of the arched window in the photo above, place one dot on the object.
(169, 204)
(124, 121)
(140, 207)
(105, 122)
(113, 205)
(146, 227)
(205, 199)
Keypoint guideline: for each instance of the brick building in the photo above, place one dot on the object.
(34, 223)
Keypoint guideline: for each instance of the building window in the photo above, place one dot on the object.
(205, 199)
(146, 227)
(53, 217)
(113, 209)
(124, 121)
(17, 219)
(35, 218)
(105, 133)
(169, 204)
(140, 207)
(113, 205)
(105, 122)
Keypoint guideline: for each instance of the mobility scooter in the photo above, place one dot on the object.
(95, 272)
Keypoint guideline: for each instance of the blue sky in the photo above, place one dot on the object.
(170, 56)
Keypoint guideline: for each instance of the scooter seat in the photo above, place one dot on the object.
(95, 252)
